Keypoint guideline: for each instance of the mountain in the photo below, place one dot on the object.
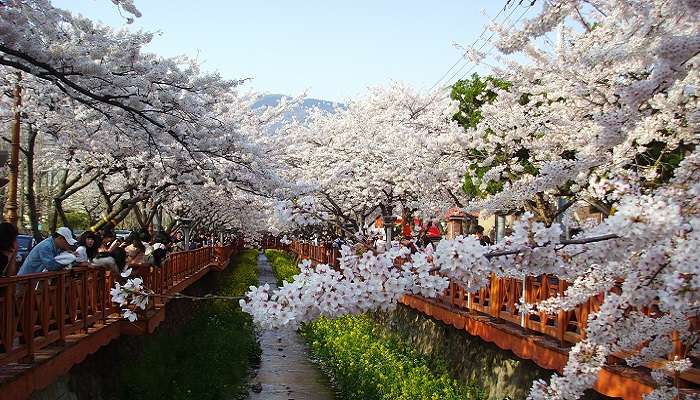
(300, 112)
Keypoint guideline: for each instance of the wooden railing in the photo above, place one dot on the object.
(319, 254)
(38, 310)
(499, 298)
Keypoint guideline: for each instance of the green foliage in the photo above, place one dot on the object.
(662, 159)
(473, 178)
(207, 358)
(283, 265)
(472, 94)
(77, 219)
(368, 363)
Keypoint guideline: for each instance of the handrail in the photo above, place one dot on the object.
(40, 309)
(500, 298)
(319, 254)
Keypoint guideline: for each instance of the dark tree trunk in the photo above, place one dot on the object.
(30, 194)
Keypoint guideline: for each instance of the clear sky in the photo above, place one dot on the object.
(331, 49)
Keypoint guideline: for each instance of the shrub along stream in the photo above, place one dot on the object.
(367, 361)
(207, 358)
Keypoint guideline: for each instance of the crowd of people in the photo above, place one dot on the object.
(416, 234)
(61, 250)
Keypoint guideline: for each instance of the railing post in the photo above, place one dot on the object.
(469, 295)
(61, 307)
(562, 316)
(84, 300)
(28, 323)
(101, 294)
(523, 296)
(495, 301)
(9, 327)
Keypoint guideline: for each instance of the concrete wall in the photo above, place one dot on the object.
(469, 358)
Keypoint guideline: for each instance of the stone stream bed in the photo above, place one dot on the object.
(285, 371)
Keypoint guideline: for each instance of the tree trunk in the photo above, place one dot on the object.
(118, 213)
(30, 194)
(57, 204)
(60, 212)
(138, 214)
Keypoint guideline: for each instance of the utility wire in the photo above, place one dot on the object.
(474, 65)
(487, 41)
(461, 58)
(493, 45)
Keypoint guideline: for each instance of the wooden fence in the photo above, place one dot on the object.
(38, 310)
(499, 300)
(319, 254)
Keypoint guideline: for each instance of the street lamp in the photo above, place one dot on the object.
(186, 226)
(389, 223)
(347, 228)
(500, 227)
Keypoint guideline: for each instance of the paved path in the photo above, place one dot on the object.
(285, 373)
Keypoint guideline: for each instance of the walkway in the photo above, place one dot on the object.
(285, 373)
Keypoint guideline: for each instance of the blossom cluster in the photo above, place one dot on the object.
(363, 282)
(130, 296)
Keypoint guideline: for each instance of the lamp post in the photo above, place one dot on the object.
(561, 203)
(500, 227)
(10, 213)
(389, 223)
(186, 225)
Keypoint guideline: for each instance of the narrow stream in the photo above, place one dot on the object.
(286, 372)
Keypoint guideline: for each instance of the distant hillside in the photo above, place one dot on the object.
(300, 112)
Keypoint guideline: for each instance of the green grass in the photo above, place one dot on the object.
(369, 363)
(209, 357)
(283, 265)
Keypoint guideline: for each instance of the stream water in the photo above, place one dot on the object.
(286, 372)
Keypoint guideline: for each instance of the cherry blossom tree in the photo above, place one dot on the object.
(609, 117)
(130, 126)
(378, 153)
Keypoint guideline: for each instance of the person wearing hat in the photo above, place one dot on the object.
(42, 256)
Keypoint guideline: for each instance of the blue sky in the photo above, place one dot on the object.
(331, 49)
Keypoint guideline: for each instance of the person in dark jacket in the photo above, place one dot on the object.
(485, 240)
(8, 249)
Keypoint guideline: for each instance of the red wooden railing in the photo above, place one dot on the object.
(499, 299)
(501, 296)
(38, 310)
(320, 254)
